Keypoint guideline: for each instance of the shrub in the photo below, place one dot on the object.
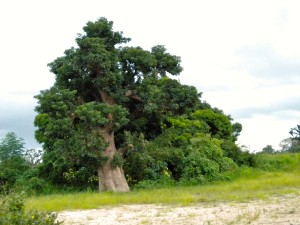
(231, 150)
(80, 178)
(33, 185)
(199, 169)
(149, 168)
(227, 164)
(149, 158)
(207, 146)
(12, 212)
(140, 160)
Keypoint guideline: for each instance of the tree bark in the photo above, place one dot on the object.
(111, 178)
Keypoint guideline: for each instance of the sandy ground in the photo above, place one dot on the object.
(283, 210)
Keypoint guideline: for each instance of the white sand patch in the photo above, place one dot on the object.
(283, 211)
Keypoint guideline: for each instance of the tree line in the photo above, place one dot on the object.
(290, 144)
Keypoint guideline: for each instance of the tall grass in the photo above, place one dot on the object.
(251, 184)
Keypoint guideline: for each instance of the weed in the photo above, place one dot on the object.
(246, 218)
(144, 222)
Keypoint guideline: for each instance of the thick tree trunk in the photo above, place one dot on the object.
(111, 178)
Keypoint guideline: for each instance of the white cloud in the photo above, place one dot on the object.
(263, 62)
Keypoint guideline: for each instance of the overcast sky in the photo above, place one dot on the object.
(243, 55)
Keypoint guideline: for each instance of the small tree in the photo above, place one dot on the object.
(12, 162)
(268, 149)
(11, 146)
(285, 144)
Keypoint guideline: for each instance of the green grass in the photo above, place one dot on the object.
(252, 184)
(262, 187)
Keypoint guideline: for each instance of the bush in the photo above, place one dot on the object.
(80, 178)
(151, 160)
(199, 169)
(12, 212)
(200, 162)
(227, 165)
(171, 156)
(33, 185)
(207, 146)
(148, 168)
(231, 150)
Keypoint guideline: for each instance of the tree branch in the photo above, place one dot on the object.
(131, 94)
(106, 98)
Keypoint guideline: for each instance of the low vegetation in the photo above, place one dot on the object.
(248, 184)
(12, 212)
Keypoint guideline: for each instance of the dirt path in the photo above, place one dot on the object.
(283, 211)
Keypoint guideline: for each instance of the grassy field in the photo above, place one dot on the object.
(280, 177)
